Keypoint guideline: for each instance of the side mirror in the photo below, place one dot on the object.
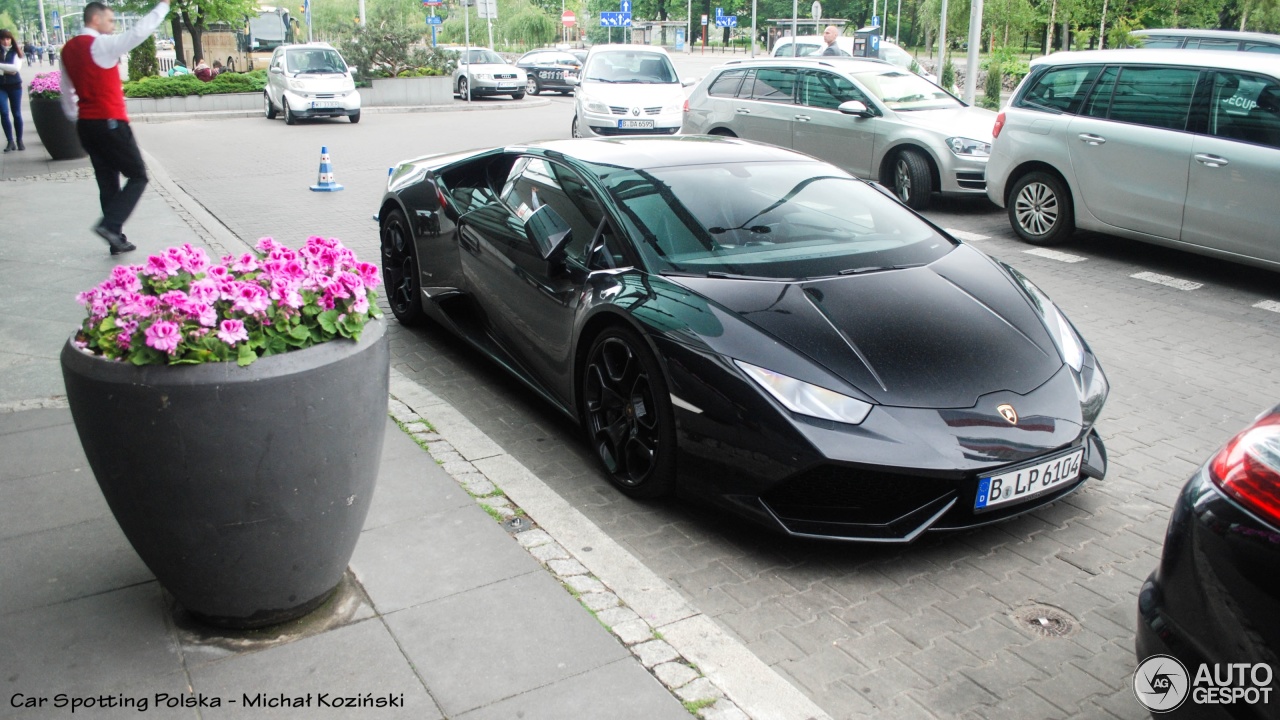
(689, 81)
(573, 80)
(352, 69)
(276, 69)
(548, 232)
(855, 107)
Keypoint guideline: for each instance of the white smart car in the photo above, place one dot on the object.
(310, 80)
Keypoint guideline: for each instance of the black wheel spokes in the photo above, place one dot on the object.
(399, 263)
(622, 413)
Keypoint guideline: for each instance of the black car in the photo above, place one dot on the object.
(1213, 602)
(752, 326)
(549, 70)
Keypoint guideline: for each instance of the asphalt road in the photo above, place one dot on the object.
(928, 630)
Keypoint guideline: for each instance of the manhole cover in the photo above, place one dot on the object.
(517, 524)
(1046, 620)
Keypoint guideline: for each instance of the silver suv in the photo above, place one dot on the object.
(1171, 147)
(869, 117)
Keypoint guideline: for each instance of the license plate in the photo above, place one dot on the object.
(506, 85)
(324, 104)
(1028, 481)
(634, 124)
(551, 75)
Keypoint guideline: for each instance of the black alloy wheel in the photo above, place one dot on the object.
(400, 269)
(626, 411)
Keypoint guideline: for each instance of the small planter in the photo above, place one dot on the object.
(244, 489)
(56, 132)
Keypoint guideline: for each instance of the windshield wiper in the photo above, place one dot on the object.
(877, 268)
(732, 276)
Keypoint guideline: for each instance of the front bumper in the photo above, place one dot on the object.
(503, 86)
(309, 105)
(602, 125)
(963, 175)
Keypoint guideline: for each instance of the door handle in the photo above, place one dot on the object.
(742, 111)
(1090, 139)
(467, 242)
(803, 118)
(1211, 160)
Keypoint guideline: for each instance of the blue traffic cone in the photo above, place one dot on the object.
(325, 183)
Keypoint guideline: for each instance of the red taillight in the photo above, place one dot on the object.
(1248, 468)
(686, 105)
(995, 131)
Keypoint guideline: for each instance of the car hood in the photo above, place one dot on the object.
(970, 122)
(324, 83)
(489, 68)
(634, 94)
(938, 336)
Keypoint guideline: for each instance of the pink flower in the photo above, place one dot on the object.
(205, 290)
(266, 245)
(361, 304)
(203, 313)
(161, 266)
(164, 336)
(193, 259)
(369, 273)
(232, 332)
(250, 298)
(246, 264)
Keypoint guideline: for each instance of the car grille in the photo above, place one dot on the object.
(634, 131)
(330, 96)
(623, 111)
(504, 76)
(971, 180)
(844, 495)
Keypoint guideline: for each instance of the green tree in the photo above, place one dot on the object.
(142, 60)
(383, 45)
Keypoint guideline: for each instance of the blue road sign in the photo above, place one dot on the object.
(615, 19)
(435, 20)
(625, 7)
(719, 12)
(875, 21)
(727, 21)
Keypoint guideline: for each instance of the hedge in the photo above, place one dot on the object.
(180, 85)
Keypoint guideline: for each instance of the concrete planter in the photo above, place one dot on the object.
(244, 490)
(408, 92)
(56, 132)
(194, 103)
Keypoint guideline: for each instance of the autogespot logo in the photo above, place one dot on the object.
(1161, 683)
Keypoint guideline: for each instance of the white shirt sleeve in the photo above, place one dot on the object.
(70, 103)
(107, 49)
(11, 67)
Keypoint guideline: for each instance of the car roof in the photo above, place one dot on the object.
(1205, 33)
(814, 60)
(1219, 59)
(620, 47)
(640, 152)
(312, 45)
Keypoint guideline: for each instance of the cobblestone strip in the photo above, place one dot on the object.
(57, 401)
(60, 176)
(641, 632)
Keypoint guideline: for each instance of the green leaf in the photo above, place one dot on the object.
(299, 332)
(246, 355)
(329, 321)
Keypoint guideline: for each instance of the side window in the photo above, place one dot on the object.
(1154, 96)
(1100, 99)
(1261, 48)
(1157, 41)
(1060, 89)
(1213, 44)
(727, 84)
(1245, 108)
(774, 85)
(534, 182)
(826, 90)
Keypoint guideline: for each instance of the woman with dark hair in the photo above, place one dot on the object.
(11, 90)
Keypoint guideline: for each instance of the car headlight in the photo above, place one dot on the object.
(595, 106)
(677, 108)
(801, 397)
(969, 147)
(295, 85)
(482, 76)
(1070, 346)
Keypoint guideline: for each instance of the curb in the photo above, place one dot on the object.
(462, 106)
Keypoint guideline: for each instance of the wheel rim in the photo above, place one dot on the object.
(621, 413)
(462, 90)
(398, 266)
(1036, 208)
(266, 104)
(902, 179)
(288, 114)
(531, 86)
(576, 133)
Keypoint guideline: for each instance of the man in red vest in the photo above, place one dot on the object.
(91, 90)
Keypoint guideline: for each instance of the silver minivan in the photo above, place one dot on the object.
(1165, 146)
(869, 117)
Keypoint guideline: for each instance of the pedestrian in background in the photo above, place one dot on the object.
(93, 96)
(39, 52)
(11, 91)
(30, 51)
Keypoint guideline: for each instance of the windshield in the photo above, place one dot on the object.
(268, 30)
(789, 49)
(484, 57)
(905, 91)
(776, 220)
(314, 60)
(631, 67)
(895, 55)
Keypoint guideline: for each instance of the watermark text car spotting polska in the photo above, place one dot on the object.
(142, 703)
(1162, 683)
